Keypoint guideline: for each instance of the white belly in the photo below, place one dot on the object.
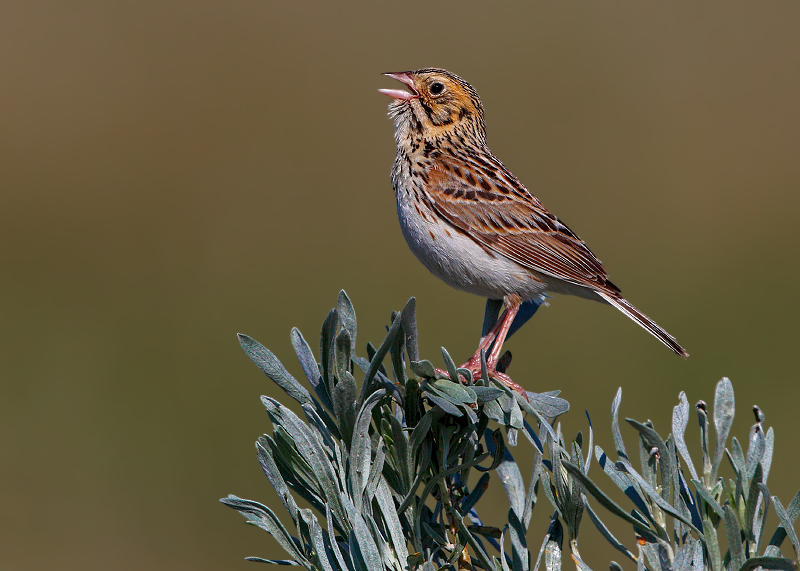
(458, 260)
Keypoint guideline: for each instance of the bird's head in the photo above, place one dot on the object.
(438, 103)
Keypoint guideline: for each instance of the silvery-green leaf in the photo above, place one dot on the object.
(327, 339)
(688, 501)
(309, 449)
(549, 489)
(322, 420)
(450, 366)
(769, 563)
(389, 515)
(622, 482)
(503, 557)
(601, 497)
(344, 405)
(274, 476)
(376, 471)
(322, 551)
(263, 517)
(755, 449)
(454, 392)
(325, 429)
(473, 417)
(377, 359)
(787, 521)
(697, 560)
(764, 512)
(604, 531)
(466, 375)
(294, 468)
(409, 316)
(680, 420)
(405, 464)
(769, 445)
(552, 556)
(736, 457)
(343, 349)
(724, 410)
(532, 436)
(703, 493)
(423, 369)
(530, 498)
(420, 432)
(712, 543)
(344, 562)
(618, 442)
(486, 394)
(367, 548)
(444, 404)
(792, 511)
(734, 533)
(658, 554)
(655, 496)
(511, 479)
(702, 421)
(547, 405)
(653, 440)
(527, 408)
(433, 534)
(514, 413)
(347, 315)
(519, 545)
(361, 448)
(309, 365)
(272, 367)
(590, 448)
(752, 501)
(390, 560)
(493, 410)
(398, 362)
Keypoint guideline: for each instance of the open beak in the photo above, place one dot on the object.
(402, 77)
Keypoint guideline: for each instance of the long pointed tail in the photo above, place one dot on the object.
(625, 307)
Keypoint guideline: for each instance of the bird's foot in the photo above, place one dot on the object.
(494, 370)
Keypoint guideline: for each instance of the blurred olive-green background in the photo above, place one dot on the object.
(172, 173)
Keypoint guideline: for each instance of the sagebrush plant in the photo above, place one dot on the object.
(387, 468)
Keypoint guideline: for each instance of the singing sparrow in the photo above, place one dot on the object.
(472, 223)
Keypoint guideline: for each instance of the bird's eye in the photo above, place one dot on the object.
(437, 88)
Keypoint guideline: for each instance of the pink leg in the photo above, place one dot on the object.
(508, 318)
(497, 335)
(475, 361)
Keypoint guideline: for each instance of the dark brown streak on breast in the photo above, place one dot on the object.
(432, 208)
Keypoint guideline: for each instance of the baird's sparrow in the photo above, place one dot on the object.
(472, 223)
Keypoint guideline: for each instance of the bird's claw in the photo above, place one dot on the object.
(475, 368)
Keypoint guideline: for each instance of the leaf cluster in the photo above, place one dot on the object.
(677, 518)
(394, 468)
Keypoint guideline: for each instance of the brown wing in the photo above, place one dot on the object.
(490, 205)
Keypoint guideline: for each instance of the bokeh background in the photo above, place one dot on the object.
(174, 172)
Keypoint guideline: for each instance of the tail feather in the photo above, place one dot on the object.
(651, 326)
